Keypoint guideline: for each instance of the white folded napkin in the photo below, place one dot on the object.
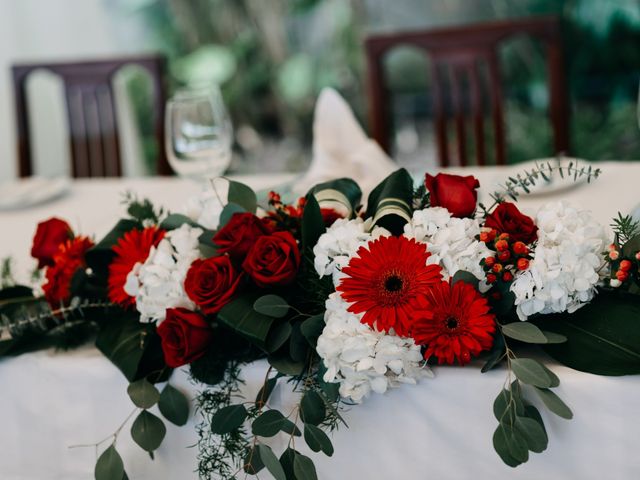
(341, 148)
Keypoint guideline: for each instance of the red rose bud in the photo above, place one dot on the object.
(507, 276)
(491, 278)
(184, 335)
(453, 192)
(506, 218)
(614, 255)
(49, 235)
(490, 261)
(497, 268)
(504, 256)
(273, 260)
(522, 264)
(622, 275)
(502, 245)
(239, 234)
(211, 283)
(520, 248)
(625, 265)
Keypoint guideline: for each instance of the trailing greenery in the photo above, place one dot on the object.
(625, 228)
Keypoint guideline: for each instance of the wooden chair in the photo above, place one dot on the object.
(94, 138)
(461, 55)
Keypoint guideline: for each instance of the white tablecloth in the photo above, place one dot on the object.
(441, 428)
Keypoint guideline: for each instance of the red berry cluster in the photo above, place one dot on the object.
(508, 259)
(622, 268)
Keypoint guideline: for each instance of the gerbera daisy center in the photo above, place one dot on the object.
(452, 323)
(393, 283)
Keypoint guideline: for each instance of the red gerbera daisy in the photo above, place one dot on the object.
(66, 262)
(133, 247)
(453, 322)
(383, 278)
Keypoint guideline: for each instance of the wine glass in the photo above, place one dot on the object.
(199, 133)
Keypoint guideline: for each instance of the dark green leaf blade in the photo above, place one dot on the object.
(242, 195)
(240, 316)
(312, 408)
(271, 305)
(143, 393)
(312, 225)
(524, 332)
(109, 465)
(174, 405)
(533, 434)
(317, 439)
(268, 423)
(148, 431)
(554, 403)
(304, 468)
(271, 462)
(531, 372)
(228, 419)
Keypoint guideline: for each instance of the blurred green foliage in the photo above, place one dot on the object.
(273, 57)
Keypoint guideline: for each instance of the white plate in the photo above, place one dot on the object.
(27, 192)
(556, 183)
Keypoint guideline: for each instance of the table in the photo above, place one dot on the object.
(441, 428)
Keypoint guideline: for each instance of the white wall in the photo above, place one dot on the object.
(50, 30)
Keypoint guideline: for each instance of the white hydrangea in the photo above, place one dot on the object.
(566, 260)
(158, 283)
(204, 209)
(364, 360)
(451, 241)
(340, 242)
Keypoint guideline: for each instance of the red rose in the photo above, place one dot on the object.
(273, 260)
(49, 235)
(239, 234)
(211, 283)
(453, 192)
(506, 218)
(184, 335)
(67, 260)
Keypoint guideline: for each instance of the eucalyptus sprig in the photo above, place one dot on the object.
(513, 187)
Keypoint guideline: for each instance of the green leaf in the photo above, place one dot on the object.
(252, 461)
(298, 345)
(286, 460)
(242, 195)
(554, 403)
(100, 256)
(143, 394)
(174, 405)
(240, 316)
(534, 435)
(390, 202)
(227, 212)
(312, 225)
(284, 364)
(268, 423)
(228, 418)
(603, 337)
(109, 465)
(290, 428)
(343, 191)
(317, 439)
(303, 468)
(630, 248)
(271, 462)
(312, 328)
(148, 431)
(272, 306)
(531, 372)
(278, 336)
(501, 440)
(466, 277)
(265, 392)
(554, 337)
(312, 408)
(525, 332)
(496, 354)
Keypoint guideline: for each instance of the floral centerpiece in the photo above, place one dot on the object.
(343, 300)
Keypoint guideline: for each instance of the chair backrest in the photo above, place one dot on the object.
(91, 109)
(467, 55)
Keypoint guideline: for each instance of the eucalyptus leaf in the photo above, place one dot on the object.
(554, 403)
(265, 392)
(253, 461)
(240, 316)
(312, 328)
(466, 277)
(312, 408)
(173, 405)
(290, 428)
(531, 372)
(317, 439)
(242, 195)
(228, 418)
(109, 465)
(496, 354)
(278, 336)
(268, 423)
(284, 364)
(228, 211)
(271, 305)
(533, 434)
(304, 468)
(286, 460)
(143, 394)
(148, 431)
(524, 332)
(271, 462)
(501, 446)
